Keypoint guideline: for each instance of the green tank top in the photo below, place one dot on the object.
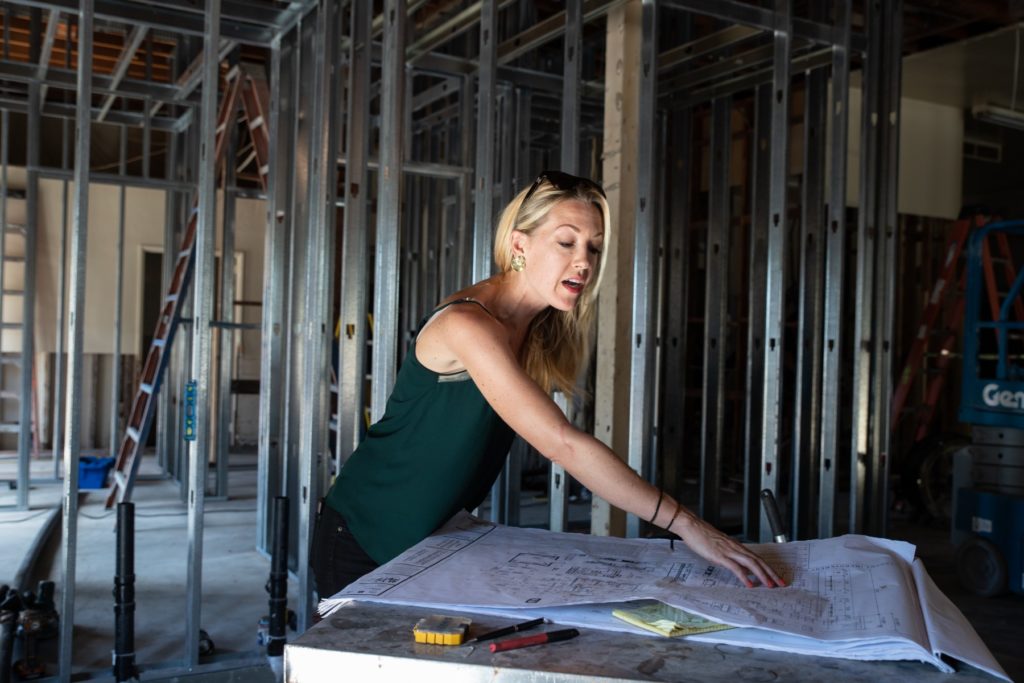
(437, 450)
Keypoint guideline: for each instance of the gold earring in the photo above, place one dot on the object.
(518, 262)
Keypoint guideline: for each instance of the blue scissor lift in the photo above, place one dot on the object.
(988, 476)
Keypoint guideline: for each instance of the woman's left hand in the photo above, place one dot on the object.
(715, 546)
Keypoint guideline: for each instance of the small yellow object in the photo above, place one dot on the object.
(441, 630)
(667, 620)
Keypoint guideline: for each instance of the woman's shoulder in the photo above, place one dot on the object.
(464, 314)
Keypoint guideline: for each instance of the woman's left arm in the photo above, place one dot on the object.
(477, 341)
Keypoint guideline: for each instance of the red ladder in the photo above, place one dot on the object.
(951, 282)
(141, 416)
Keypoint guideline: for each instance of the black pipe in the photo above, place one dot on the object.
(9, 609)
(279, 579)
(124, 595)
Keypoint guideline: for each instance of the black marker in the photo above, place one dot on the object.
(514, 628)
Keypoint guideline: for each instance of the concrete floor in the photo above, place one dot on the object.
(235, 573)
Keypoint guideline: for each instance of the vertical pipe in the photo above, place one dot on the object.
(202, 308)
(760, 184)
(483, 237)
(807, 402)
(835, 258)
(124, 595)
(715, 311)
(775, 284)
(76, 310)
(642, 351)
(278, 580)
(115, 377)
(353, 294)
(389, 197)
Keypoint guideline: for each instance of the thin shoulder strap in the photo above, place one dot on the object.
(464, 300)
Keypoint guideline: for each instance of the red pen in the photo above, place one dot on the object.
(539, 639)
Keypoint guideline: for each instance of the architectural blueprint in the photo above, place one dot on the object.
(850, 596)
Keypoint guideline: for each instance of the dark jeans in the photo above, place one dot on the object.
(336, 557)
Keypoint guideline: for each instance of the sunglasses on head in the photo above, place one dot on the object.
(564, 182)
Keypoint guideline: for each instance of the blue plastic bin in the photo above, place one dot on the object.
(92, 472)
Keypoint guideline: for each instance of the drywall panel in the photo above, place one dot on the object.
(931, 157)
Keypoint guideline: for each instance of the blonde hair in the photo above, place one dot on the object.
(558, 343)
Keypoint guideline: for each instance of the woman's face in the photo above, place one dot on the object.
(563, 252)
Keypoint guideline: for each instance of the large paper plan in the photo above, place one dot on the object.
(852, 596)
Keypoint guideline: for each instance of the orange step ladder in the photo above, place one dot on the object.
(143, 406)
(951, 282)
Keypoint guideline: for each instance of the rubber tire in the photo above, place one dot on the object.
(927, 474)
(981, 568)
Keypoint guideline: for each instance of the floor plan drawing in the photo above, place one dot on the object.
(853, 596)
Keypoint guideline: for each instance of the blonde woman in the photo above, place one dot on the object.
(482, 368)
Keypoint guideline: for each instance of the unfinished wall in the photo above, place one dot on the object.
(144, 228)
(931, 157)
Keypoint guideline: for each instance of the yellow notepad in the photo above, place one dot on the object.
(667, 620)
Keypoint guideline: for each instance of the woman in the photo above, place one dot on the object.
(482, 367)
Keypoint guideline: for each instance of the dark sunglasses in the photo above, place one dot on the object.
(564, 182)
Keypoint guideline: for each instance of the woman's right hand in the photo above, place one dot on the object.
(723, 550)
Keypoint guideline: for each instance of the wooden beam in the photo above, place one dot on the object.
(611, 399)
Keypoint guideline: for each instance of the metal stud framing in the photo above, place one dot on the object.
(202, 314)
(483, 188)
(673, 434)
(775, 282)
(643, 324)
(716, 308)
(389, 198)
(76, 322)
(885, 294)
(758, 273)
(558, 485)
(275, 335)
(354, 295)
(864, 301)
(453, 150)
(225, 325)
(807, 399)
(835, 248)
(318, 264)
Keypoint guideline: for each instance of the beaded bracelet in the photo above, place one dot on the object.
(661, 496)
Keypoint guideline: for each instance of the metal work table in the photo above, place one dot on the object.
(368, 642)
